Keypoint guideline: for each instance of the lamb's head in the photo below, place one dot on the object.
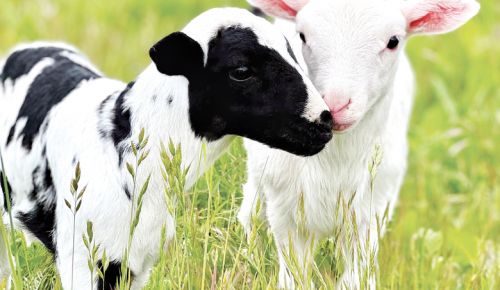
(352, 47)
(244, 80)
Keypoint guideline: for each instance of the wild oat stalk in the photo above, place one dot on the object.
(74, 207)
(300, 266)
(101, 271)
(369, 255)
(174, 177)
(162, 262)
(140, 153)
(210, 186)
(92, 248)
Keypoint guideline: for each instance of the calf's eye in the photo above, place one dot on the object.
(393, 42)
(241, 74)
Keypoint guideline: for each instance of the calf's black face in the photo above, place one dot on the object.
(244, 89)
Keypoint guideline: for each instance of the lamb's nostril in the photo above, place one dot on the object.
(337, 104)
(325, 119)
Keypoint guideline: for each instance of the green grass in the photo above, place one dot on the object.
(446, 231)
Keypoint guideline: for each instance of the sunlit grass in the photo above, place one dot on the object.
(445, 233)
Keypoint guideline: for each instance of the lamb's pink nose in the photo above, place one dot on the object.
(338, 108)
(337, 105)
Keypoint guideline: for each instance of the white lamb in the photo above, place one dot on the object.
(354, 50)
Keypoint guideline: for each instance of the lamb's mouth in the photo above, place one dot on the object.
(341, 128)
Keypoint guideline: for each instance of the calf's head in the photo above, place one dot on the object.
(244, 80)
(351, 47)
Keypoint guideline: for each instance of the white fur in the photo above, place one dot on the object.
(347, 59)
(72, 133)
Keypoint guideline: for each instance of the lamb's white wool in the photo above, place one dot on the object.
(57, 110)
(354, 50)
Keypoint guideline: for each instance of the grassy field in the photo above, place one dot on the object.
(446, 231)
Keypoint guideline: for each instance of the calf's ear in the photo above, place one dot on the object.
(437, 16)
(177, 54)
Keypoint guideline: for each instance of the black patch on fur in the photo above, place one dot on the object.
(267, 107)
(41, 180)
(121, 122)
(22, 61)
(48, 89)
(112, 275)
(170, 100)
(104, 132)
(290, 50)
(47, 177)
(11, 134)
(40, 222)
(35, 175)
(127, 192)
(103, 103)
(5, 185)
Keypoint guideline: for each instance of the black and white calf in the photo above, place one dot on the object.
(227, 73)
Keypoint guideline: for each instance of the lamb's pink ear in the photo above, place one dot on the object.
(437, 16)
(287, 9)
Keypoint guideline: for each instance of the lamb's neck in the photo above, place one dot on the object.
(160, 104)
(358, 144)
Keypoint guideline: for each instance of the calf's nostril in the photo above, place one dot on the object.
(326, 120)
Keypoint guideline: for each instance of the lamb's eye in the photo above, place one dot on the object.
(302, 37)
(241, 74)
(393, 42)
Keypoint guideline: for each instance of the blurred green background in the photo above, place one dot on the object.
(116, 35)
(446, 231)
